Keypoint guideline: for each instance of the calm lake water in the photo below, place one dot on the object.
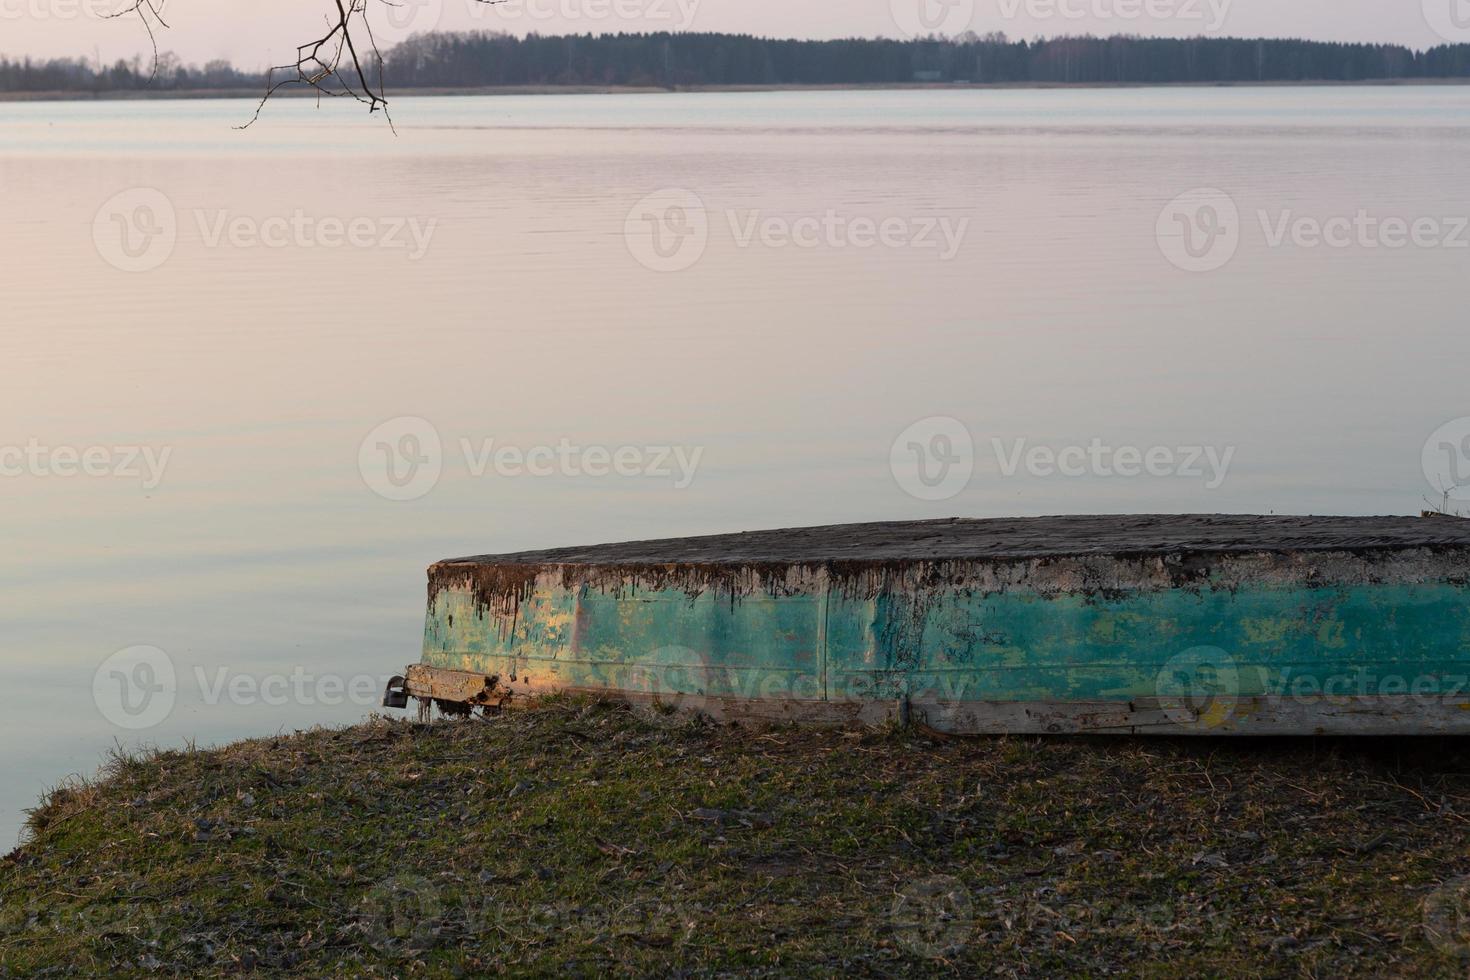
(254, 382)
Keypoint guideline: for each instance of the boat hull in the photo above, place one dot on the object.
(1384, 715)
(1271, 642)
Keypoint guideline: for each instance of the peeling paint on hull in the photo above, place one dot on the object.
(1253, 638)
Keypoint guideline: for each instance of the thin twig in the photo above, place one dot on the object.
(143, 8)
(334, 65)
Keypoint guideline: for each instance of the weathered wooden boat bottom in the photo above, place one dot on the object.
(462, 691)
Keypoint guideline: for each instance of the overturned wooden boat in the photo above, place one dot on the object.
(1219, 625)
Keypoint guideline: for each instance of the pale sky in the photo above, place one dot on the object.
(253, 33)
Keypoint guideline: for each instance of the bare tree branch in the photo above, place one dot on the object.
(143, 8)
(344, 62)
(319, 64)
(335, 64)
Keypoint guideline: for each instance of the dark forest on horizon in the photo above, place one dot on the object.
(672, 60)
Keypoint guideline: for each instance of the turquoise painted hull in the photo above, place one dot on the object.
(1211, 659)
(1365, 640)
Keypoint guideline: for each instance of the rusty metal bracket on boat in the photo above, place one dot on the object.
(396, 695)
(454, 692)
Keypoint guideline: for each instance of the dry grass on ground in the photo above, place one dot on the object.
(577, 837)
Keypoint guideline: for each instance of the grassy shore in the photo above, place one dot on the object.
(579, 837)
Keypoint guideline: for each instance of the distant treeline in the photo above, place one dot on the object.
(465, 60)
(671, 60)
(78, 75)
